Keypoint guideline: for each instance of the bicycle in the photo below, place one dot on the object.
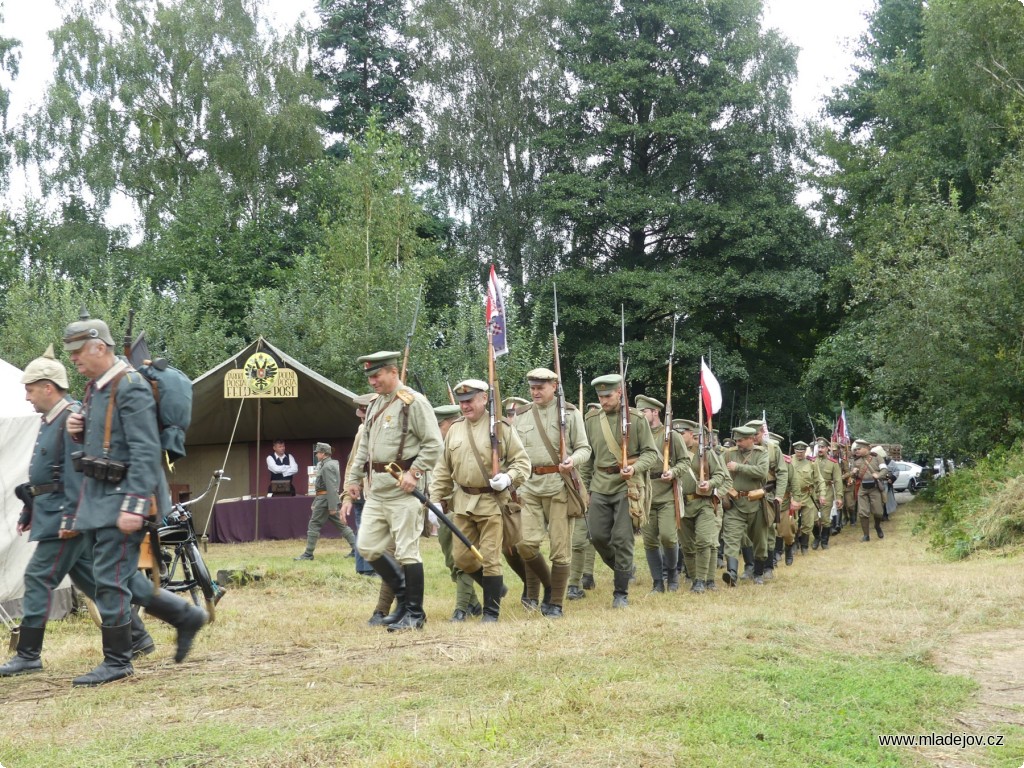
(179, 546)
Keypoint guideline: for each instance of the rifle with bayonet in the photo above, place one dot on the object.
(667, 446)
(571, 476)
(409, 335)
(624, 402)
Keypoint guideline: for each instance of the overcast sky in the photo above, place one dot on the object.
(824, 30)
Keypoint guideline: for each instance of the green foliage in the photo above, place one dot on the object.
(9, 58)
(365, 62)
(980, 507)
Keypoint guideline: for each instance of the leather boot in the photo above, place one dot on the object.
(415, 617)
(559, 579)
(731, 566)
(515, 562)
(30, 648)
(865, 528)
(789, 554)
(587, 582)
(759, 571)
(817, 536)
(385, 597)
(780, 545)
(748, 562)
(391, 573)
(804, 540)
(537, 569)
(878, 529)
(826, 533)
(493, 588)
(310, 546)
(142, 643)
(117, 656)
(669, 556)
(655, 563)
(186, 618)
(620, 595)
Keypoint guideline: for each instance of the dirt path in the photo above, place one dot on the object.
(995, 660)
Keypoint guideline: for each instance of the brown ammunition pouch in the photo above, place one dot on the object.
(755, 495)
(638, 494)
(613, 470)
(770, 487)
(39, 490)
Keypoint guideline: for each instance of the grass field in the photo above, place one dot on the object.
(805, 671)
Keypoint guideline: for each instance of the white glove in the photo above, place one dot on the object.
(500, 481)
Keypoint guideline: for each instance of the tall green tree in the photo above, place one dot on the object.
(9, 58)
(200, 116)
(486, 81)
(671, 188)
(365, 62)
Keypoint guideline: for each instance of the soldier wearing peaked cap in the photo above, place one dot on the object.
(119, 457)
(776, 488)
(510, 405)
(701, 519)
(327, 502)
(49, 495)
(744, 515)
(478, 498)
(660, 536)
(544, 495)
(354, 507)
(870, 474)
(832, 477)
(400, 428)
(611, 524)
(466, 603)
(807, 493)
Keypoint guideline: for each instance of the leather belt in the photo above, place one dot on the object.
(610, 470)
(39, 490)
(477, 491)
(545, 469)
(743, 494)
(382, 466)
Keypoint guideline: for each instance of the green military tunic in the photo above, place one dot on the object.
(462, 474)
(660, 529)
(806, 489)
(832, 477)
(870, 496)
(543, 495)
(399, 422)
(702, 514)
(746, 518)
(611, 527)
(326, 503)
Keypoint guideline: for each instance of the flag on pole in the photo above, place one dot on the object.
(841, 434)
(496, 315)
(710, 391)
(764, 427)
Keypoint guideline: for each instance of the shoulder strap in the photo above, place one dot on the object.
(613, 446)
(475, 451)
(544, 436)
(110, 410)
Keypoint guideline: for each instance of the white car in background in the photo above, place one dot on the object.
(908, 476)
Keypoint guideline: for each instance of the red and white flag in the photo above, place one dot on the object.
(764, 427)
(841, 434)
(710, 391)
(496, 315)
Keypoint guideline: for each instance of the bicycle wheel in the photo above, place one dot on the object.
(202, 577)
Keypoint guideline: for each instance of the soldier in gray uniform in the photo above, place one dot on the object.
(400, 429)
(326, 503)
(50, 492)
(119, 456)
(611, 524)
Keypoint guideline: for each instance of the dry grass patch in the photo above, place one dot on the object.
(804, 671)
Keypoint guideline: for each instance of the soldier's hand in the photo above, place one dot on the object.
(667, 477)
(75, 424)
(129, 523)
(731, 466)
(346, 508)
(408, 482)
(821, 501)
(839, 503)
(354, 491)
(500, 481)
(704, 486)
(23, 528)
(627, 471)
(566, 466)
(794, 506)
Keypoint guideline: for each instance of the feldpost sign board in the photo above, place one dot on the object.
(261, 376)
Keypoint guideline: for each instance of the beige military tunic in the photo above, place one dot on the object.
(543, 495)
(403, 419)
(805, 490)
(462, 473)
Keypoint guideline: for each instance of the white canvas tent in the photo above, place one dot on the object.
(19, 424)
